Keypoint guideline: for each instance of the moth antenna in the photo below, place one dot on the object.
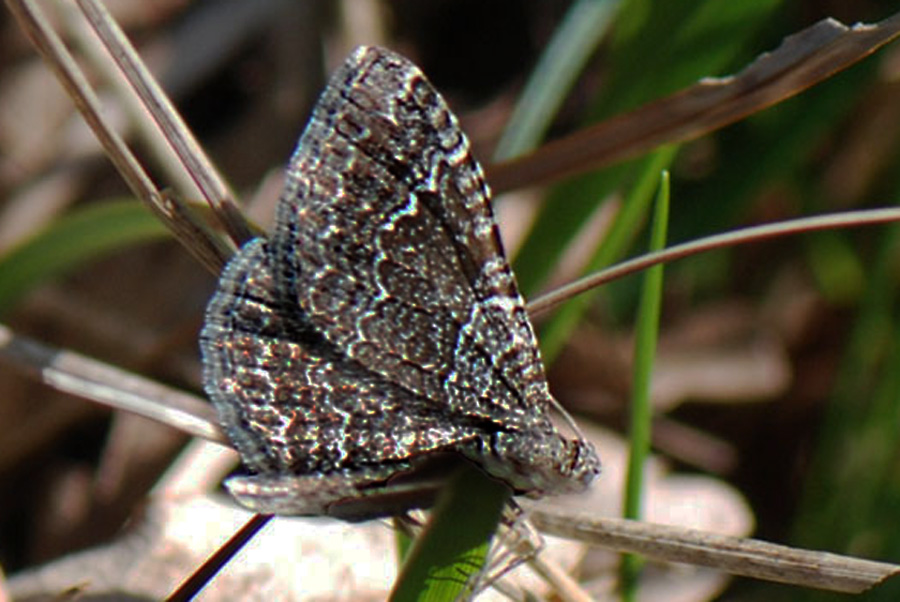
(567, 418)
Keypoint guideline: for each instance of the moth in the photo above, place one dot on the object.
(377, 333)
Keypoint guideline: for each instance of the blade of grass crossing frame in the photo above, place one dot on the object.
(644, 357)
(453, 549)
(585, 24)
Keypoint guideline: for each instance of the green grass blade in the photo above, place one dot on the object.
(73, 240)
(620, 236)
(641, 408)
(576, 38)
(454, 546)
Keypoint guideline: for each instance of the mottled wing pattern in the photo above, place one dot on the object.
(291, 403)
(380, 322)
(385, 235)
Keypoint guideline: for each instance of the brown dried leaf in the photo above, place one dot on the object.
(803, 60)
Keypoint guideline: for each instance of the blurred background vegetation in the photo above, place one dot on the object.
(815, 453)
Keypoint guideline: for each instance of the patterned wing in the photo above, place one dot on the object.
(292, 403)
(386, 238)
(380, 322)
